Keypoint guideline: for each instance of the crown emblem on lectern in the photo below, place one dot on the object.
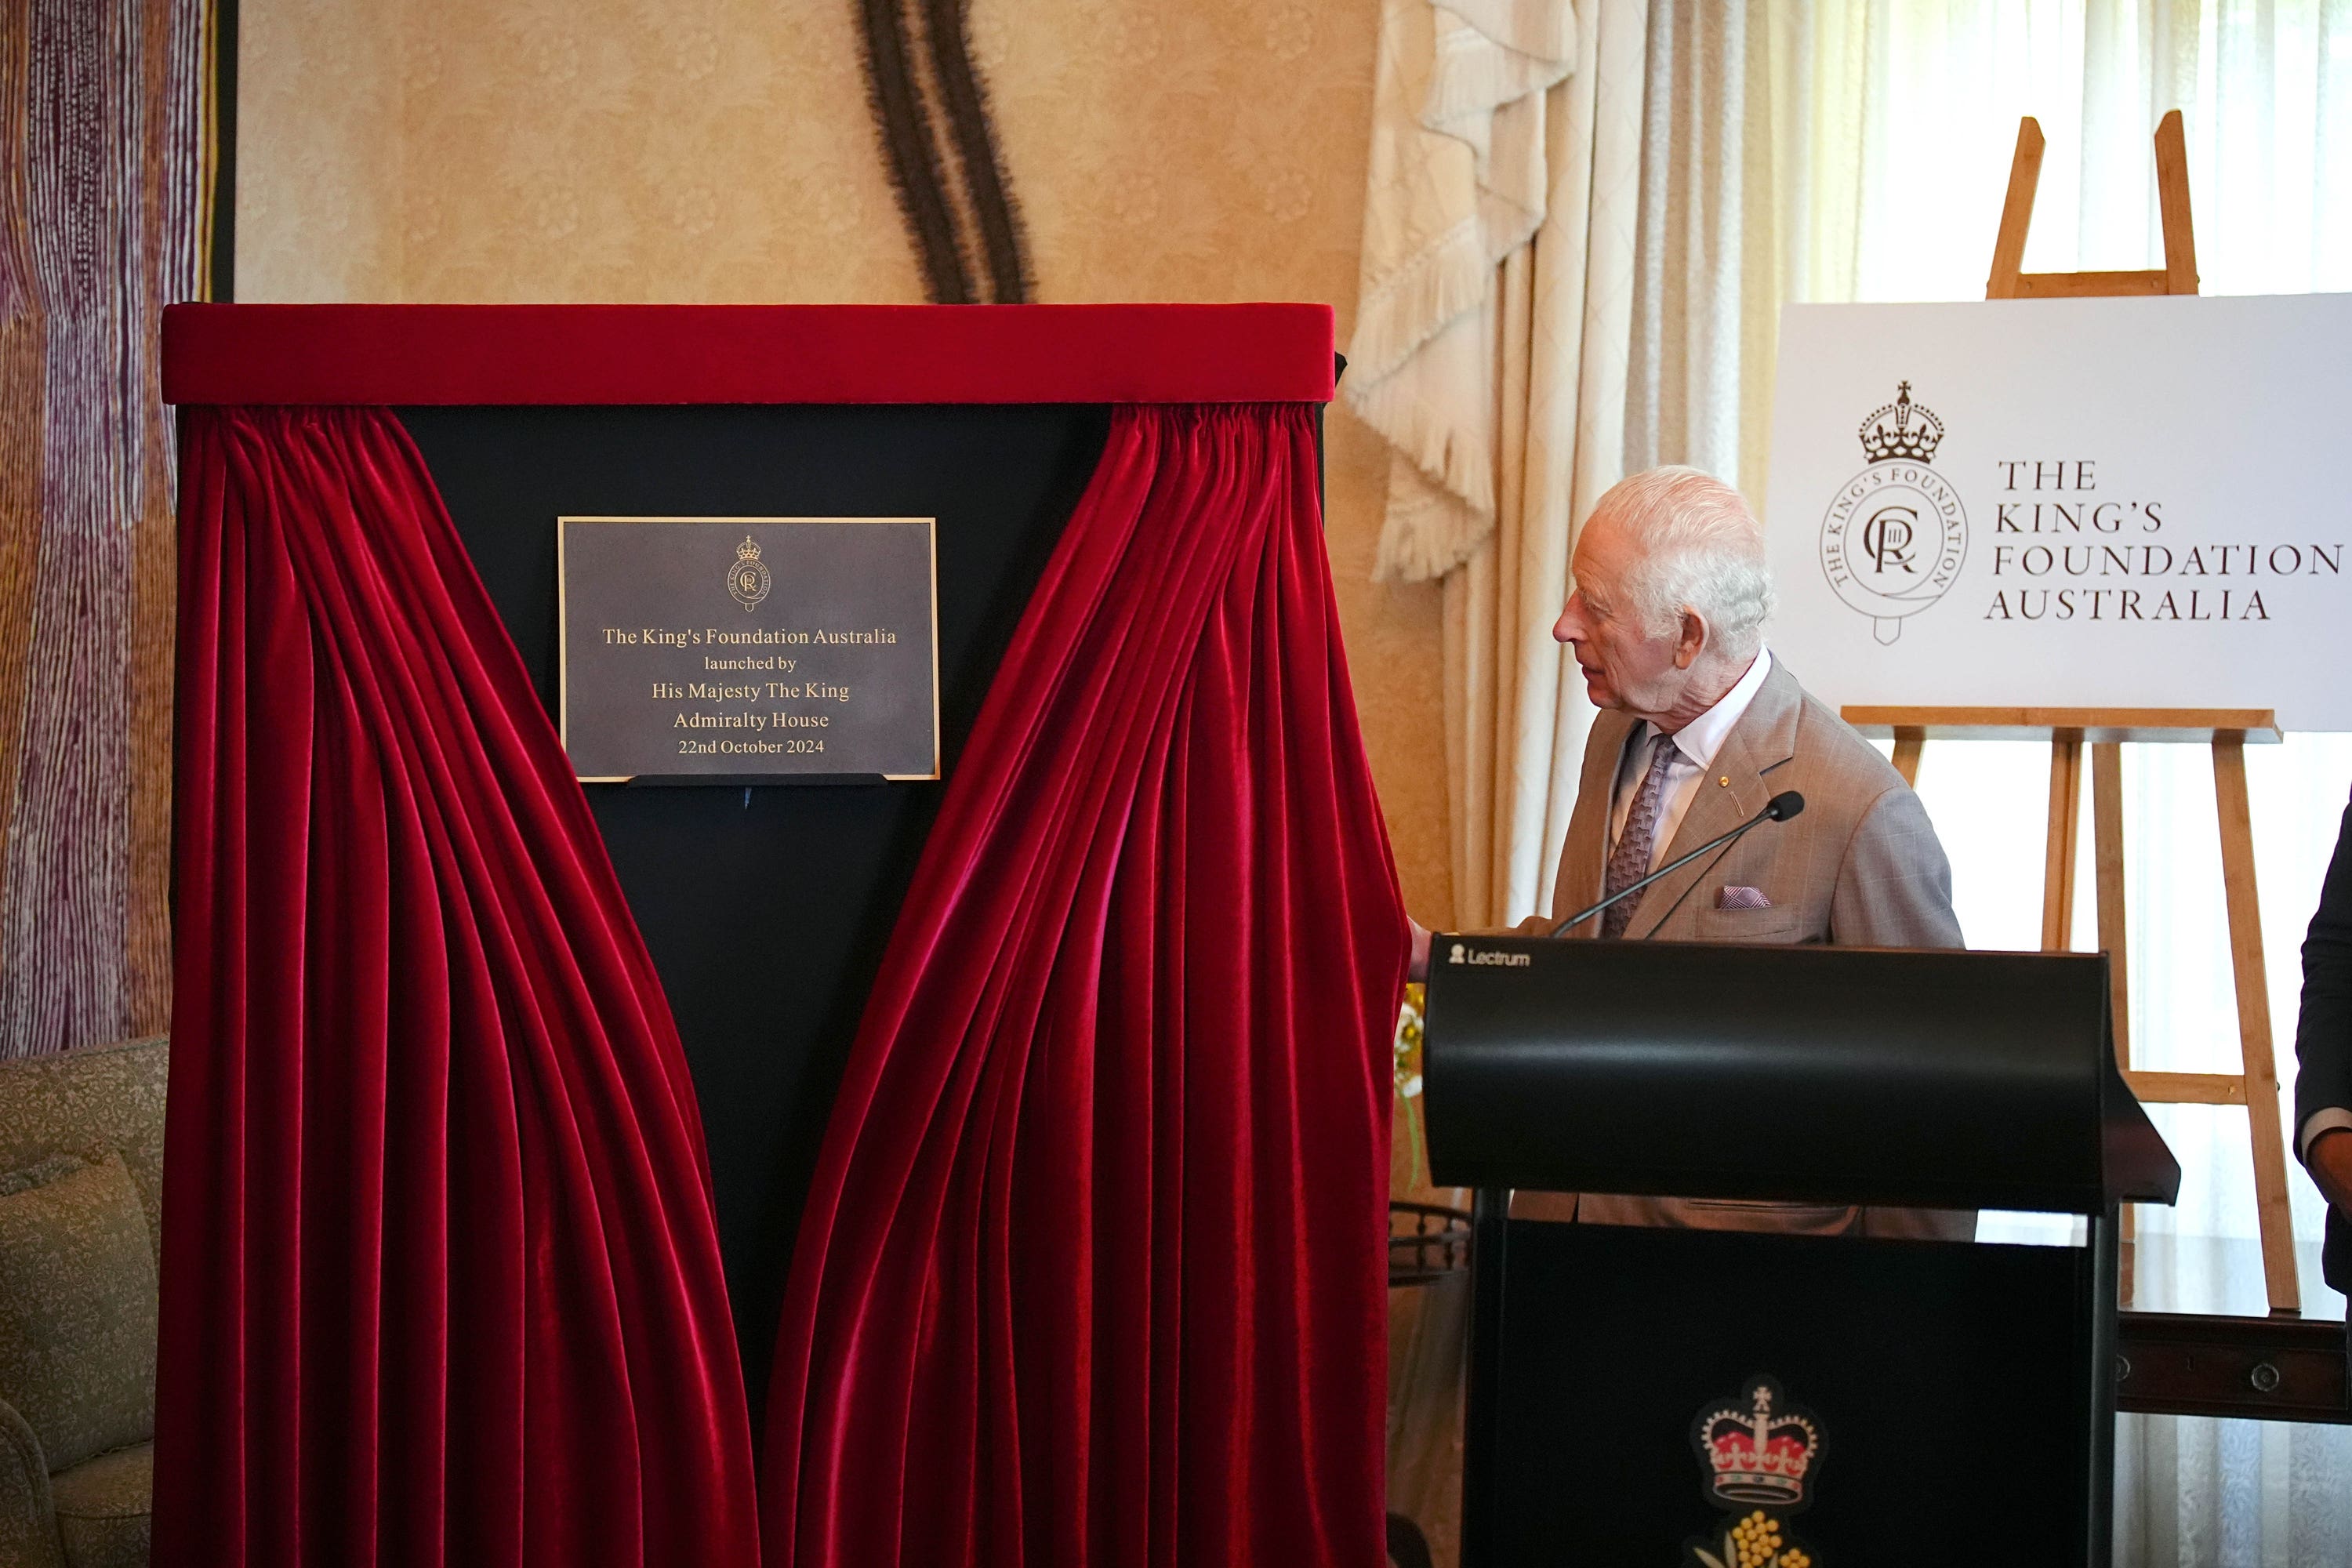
(748, 580)
(1902, 429)
(1758, 1454)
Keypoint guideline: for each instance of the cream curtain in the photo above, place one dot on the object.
(1490, 350)
(1516, 714)
(1707, 289)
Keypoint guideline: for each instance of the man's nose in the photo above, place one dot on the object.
(1569, 627)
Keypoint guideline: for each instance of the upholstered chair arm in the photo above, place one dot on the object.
(28, 1521)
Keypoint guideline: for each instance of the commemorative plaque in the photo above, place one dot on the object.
(728, 648)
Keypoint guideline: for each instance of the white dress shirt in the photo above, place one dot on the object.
(1695, 745)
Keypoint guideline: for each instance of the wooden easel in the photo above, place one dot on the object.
(2106, 731)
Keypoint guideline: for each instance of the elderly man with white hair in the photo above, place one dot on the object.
(1699, 727)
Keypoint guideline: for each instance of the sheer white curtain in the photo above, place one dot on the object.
(1895, 123)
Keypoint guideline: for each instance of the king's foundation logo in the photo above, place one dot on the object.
(1760, 1454)
(749, 579)
(1894, 539)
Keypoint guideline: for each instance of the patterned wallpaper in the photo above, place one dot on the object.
(317, 188)
(721, 151)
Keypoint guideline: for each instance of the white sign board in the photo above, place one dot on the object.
(2140, 503)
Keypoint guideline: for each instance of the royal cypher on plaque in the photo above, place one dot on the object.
(729, 646)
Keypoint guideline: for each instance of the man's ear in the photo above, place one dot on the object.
(1691, 641)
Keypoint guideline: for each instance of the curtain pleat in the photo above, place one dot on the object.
(1091, 1272)
(441, 1280)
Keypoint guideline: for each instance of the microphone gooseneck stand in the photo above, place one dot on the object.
(1780, 808)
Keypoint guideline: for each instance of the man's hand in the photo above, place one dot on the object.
(2329, 1160)
(1419, 968)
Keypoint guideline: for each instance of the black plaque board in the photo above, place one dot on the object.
(767, 909)
(730, 647)
(1949, 1385)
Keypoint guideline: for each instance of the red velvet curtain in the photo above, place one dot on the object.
(1092, 1271)
(440, 1279)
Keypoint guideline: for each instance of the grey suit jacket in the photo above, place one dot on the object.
(1860, 868)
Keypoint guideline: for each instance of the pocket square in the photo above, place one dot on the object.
(1742, 898)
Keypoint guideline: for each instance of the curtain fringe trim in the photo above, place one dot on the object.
(1425, 537)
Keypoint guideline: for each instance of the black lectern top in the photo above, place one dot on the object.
(1932, 1079)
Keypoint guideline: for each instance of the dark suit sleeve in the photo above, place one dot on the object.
(2323, 1033)
(1895, 886)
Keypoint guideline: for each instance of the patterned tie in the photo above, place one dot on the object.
(1631, 861)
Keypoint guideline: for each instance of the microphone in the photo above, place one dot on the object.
(1780, 808)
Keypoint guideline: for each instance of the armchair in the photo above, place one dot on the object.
(97, 1116)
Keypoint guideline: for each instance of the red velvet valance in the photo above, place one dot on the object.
(558, 355)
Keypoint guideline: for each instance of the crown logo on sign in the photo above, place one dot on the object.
(1758, 1457)
(1902, 429)
(748, 580)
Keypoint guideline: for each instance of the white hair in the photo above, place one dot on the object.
(1697, 547)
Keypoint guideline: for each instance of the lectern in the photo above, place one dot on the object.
(1727, 1398)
